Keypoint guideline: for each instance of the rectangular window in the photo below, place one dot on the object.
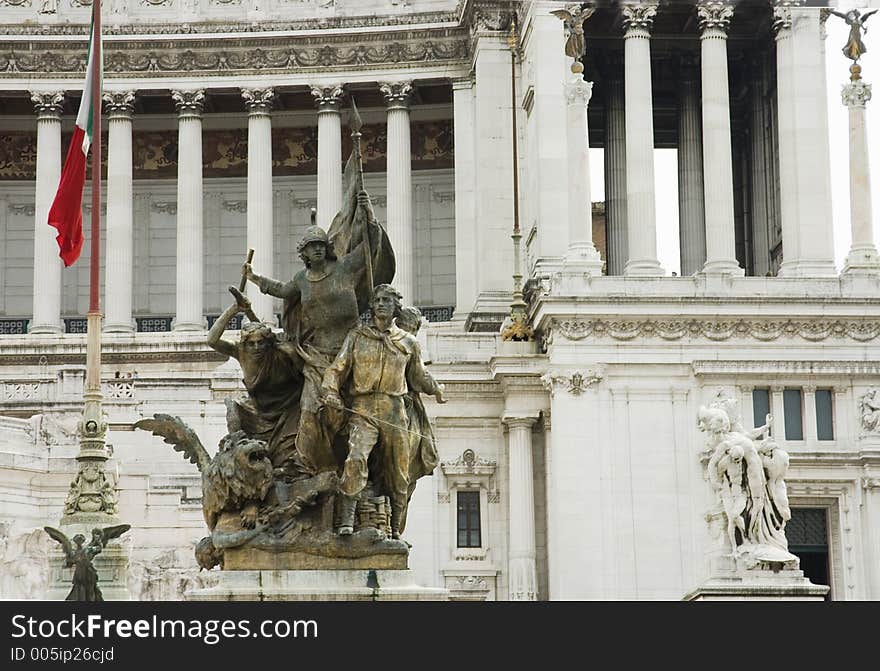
(760, 405)
(824, 415)
(792, 406)
(468, 519)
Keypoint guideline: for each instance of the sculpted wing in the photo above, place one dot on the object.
(867, 14)
(109, 533)
(563, 14)
(59, 536)
(177, 433)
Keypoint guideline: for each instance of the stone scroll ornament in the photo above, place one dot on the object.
(746, 470)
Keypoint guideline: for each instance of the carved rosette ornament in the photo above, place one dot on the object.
(258, 101)
(856, 94)
(327, 98)
(397, 94)
(119, 104)
(574, 382)
(715, 16)
(189, 103)
(47, 104)
(638, 19)
(578, 91)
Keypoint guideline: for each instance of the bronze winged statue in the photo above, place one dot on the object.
(85, 577)
(854, 48)
(574, 15)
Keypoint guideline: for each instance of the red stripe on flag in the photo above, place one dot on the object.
(66, 211)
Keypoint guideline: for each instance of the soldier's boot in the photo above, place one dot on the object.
(396, 518)
(347, 506)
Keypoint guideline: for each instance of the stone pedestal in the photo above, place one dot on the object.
(734, 581)
(112, 567)
(338, 585)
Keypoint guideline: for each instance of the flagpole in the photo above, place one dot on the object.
(92, 500)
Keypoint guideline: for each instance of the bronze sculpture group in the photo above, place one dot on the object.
(323, 452)
(80, 557)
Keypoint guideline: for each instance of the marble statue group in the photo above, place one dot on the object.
(324, 450)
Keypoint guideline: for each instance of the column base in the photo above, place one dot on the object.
(189, 326)
(643, 268)
(723, 267)
(119, 327)
(862, 260)
(523, 579)
(824, 268)
(45, 329)
(583, 257)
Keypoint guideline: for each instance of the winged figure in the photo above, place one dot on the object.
(85, 577)
(574, 16)
(854, 48)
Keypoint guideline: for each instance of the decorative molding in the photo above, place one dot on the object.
(573, 381)
(855, 94)
(443, 196)
(469, 463)
(235, 206)
(397, 94)
(189, 103)
(47, 104)
(305, 202)
(813, 330)
(119, 104)
(639, 17)
(16, 3)
(165, 207)
(27, 209)
(443, 497)
(327, 98)
(258, 101)
(786, 368)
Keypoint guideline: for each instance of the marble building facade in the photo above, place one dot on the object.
(579, 452)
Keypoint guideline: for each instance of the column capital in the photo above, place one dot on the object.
(258, 101)
(519, 422)
(119, 104)
(189, 103)
(327, 98)
(397, 94)
(47, 104)
(856, 94)
(714, 17)
(782, 16)
(638, 18)
(578, 91)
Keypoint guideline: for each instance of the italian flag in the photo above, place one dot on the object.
(66, 211)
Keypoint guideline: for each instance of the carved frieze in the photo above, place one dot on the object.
(813, 330)
(575, 381)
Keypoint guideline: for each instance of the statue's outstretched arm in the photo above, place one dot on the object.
(215, 341)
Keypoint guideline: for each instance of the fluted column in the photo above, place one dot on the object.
(399, 171)
(615, 176)
(118, 285)
(465, 225)
(189, 312)
(715, 18)
(691, 223)
(862, 257)
(47, 262)
(581, 250)
(641, 216)
(259, 195)
(327, 100)
(523, 583)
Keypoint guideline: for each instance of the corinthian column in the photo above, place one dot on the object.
(581, 250)
(400, 225)
(327, 100)
(862, 257)
(692, 227)
(120, 256)
(47, 263)
(189, 315)
(715, 18)
(641, 217)
(523, 583)
(259, 195)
